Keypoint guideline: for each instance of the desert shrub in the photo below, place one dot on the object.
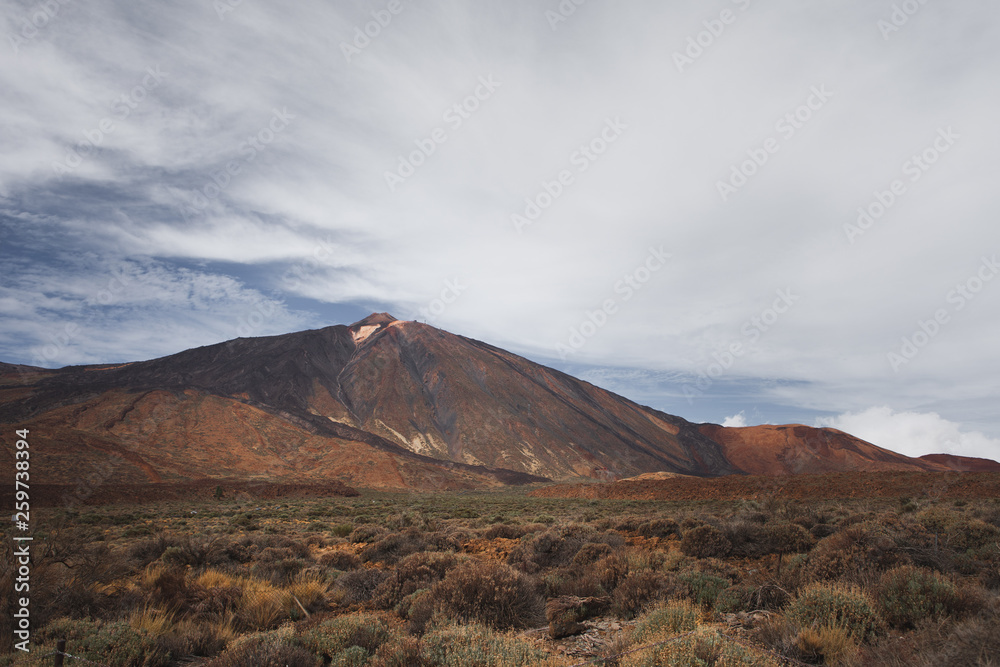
(192, 638)
(399, 652)
(907, 594)
(701, 587)
(505, 531)
(591, 553)
(251, 547)
(636, 591)
(344, 639)
(359, 585)
(825, 644)
(265, 649)
(972, 641)
(246, 521)
(670, 618)
(112, 643)
(489, 593)
(553, 548)
(821, 530)
(214, 595)
(705, 541)
(366, 533)
(973, 534)
(340, 560)
(835, 605)
(747, 539)
(610, 571)
(261, 606)
(415, 572)
(628, 524)
(788, 538)
(310, 591)
(733, 599)
(479, 646)
(341, 529)
(703, 647)
(391, 548)
(572, 581)
(658, 528)
(279, 572)
(167, 588)
(146, 551)
(852, 553)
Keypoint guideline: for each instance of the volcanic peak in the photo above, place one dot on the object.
(362, 330)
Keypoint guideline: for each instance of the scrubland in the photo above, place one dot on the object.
(498, 578)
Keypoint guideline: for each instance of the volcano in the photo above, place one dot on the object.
(382, 403)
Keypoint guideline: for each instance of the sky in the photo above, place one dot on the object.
(733, 211)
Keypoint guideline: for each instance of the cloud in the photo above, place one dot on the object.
(914, 433)
(196, 175)
(99, 310)
(736, 421)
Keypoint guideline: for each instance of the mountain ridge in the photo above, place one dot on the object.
(390, 403)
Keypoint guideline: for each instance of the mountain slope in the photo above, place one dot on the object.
(385, 403)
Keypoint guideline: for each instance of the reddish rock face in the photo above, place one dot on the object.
(794, 449)
(962, 463)
(387, 404)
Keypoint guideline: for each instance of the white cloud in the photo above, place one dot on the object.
(914, 433)
(736, 421)
(322, 177)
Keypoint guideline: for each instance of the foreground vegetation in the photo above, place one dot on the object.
(465, 579)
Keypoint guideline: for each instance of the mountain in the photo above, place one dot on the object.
(962, 463)
(380, 403)
(795, 449)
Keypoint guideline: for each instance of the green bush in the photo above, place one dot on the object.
(908, 594)
(342, 530)
(674, 617)
(478, 646)
(346, 639)
(701, 587)
(835, 605)
(704, 647)
(116, 644)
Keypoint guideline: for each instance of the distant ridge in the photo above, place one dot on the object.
(384, 403)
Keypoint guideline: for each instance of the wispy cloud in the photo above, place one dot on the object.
(258, 154)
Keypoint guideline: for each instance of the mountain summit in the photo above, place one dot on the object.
(384, 403)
